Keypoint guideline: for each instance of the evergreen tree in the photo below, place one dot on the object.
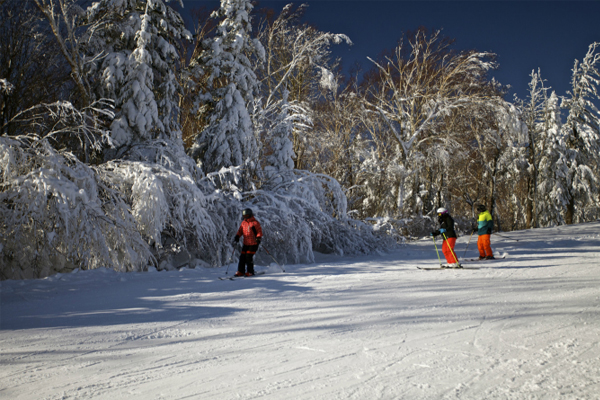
(582, 135)
(137, 69)
(228, 139)
(281, 149)
(552, 193)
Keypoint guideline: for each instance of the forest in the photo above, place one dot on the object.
(129, 140)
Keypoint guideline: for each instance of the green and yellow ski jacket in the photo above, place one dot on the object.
(485, 224)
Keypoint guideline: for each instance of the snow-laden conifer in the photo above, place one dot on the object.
(134, 60)
(582, 131)
(552, 193)
(279, 137)
(228, 138)
(59, 213)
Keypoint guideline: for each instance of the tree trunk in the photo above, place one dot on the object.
(570, 213)
(529, 204)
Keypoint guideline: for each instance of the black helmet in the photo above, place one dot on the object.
(247, 213)
(481, 208)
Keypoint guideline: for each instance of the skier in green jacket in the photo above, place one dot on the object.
(485, 224)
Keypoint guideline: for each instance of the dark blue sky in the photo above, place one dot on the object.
(525, 35)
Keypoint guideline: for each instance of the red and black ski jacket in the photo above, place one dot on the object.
(250, 229)
(447, 223)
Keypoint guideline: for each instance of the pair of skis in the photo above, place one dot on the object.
(232, 278)
(462, 267)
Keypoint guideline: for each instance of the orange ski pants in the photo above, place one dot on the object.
(484, 246)
(448, 249)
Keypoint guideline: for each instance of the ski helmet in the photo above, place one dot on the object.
(247, 213)
(442, 211)
(481, 208)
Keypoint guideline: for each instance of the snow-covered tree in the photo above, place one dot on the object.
(297, 63)
(414, 91)
(547, 172)
(134, 55)
(56, 212)
(228, 138)
(552, 192)
(533, 113)
(59, 213)
(278, 137)
(337, 123)
(503, 150)
(582, 130)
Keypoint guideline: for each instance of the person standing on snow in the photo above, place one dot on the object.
(449, 234)
(252, 232)
(485, 224)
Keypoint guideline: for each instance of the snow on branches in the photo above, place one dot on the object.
(58, 214)
(107, 181)
(134, 51)
(420, 93)
(302, 212)
(582, 137)
(228, 138)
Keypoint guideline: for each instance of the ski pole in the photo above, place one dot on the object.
(472, 232)
(273, 258)
(436, 250)
(506, 237)
(450, 247)
(230, 259)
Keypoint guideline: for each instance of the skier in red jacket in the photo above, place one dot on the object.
(252, 232)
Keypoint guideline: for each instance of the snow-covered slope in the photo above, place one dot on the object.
(372, 327)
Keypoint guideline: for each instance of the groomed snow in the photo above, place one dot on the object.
(371, 327)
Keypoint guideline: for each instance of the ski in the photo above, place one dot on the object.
(232, 278)
(483, 259)
(453, 268)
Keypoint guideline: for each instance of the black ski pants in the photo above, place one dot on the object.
(247, 259)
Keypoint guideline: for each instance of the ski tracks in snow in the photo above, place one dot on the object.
(370, 327)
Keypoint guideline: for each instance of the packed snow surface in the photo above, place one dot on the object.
(370, 327)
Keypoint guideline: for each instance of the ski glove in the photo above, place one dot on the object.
(442, 230)
(258, 240)
(236, 239)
